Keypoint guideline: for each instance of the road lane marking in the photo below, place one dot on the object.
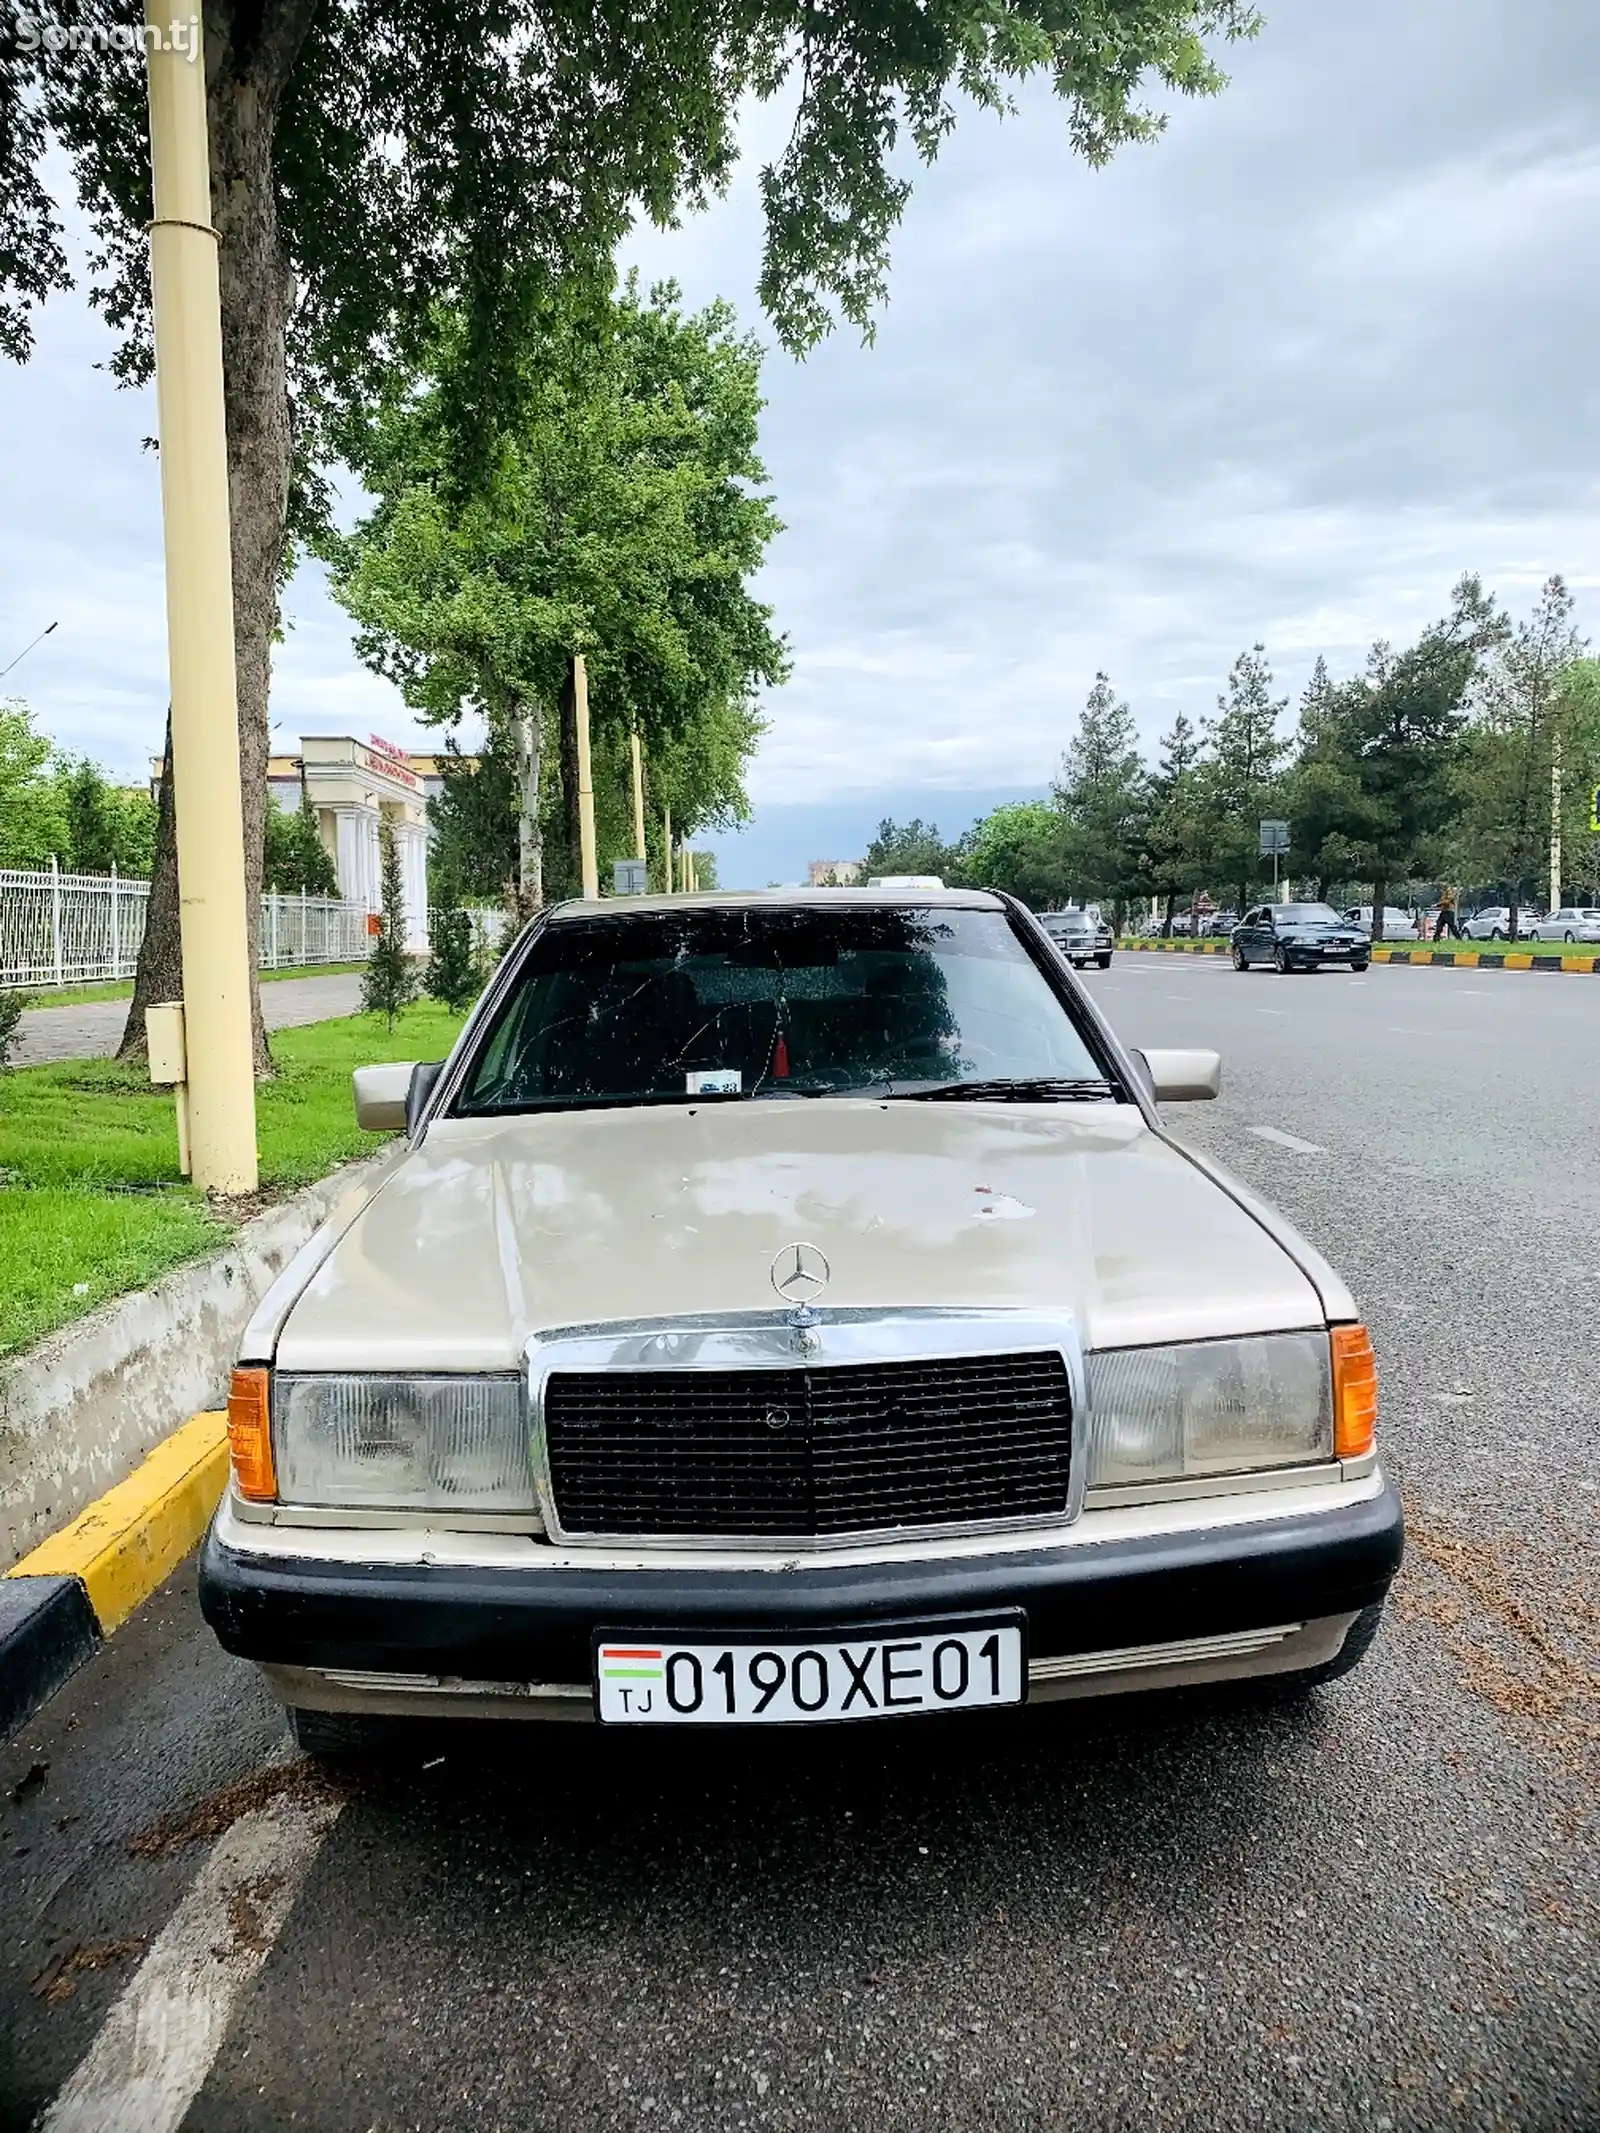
(157, 2044)
(1280, 1139)
(1272, 1010)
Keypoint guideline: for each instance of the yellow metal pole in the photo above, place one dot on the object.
(580, 693)
(638, 799)
(666, 850)
(205, 726)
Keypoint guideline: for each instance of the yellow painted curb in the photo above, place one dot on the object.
(129, 1539)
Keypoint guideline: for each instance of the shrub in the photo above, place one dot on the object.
(389, 983)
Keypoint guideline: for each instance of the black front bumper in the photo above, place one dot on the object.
(494, 1624)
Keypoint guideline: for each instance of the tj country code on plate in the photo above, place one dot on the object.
(646, 1680)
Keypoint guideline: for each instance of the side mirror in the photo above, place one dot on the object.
(423, 1079)
(1183, 1077)
(380, 1093)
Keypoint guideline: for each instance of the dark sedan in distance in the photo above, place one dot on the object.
(1083, 937)
(1298, 937)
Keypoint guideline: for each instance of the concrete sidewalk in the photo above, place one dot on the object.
(93, 1030)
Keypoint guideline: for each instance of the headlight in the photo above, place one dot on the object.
(1209, 1407)
(403, 1443)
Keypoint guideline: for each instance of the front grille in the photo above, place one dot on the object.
(850, 1448)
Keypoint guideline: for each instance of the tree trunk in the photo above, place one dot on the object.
(527, 728)
(160, 973)
(569, 781)
(249, 56)
(1380, 904)
(1166, 916)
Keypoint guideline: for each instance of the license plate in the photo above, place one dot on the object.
(895, 1671)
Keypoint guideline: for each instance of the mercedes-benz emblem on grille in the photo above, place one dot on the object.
(800, 1273)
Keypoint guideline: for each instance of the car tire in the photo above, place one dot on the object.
(1495, 934)
(1103, 962)
(1281, 963)
(1569, 935)
(344, 1736)
(1357, 968)
(1240, 961)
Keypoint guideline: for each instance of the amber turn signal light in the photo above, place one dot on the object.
(250, 1435)
(1355, 1392)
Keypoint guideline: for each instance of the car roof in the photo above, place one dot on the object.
(778, 900)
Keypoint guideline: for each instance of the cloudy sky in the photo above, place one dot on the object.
(1284, 374)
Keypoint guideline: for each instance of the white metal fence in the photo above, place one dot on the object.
(79, 929)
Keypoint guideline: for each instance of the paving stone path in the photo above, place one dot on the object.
(93, 1029)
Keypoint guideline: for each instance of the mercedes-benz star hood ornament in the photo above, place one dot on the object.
(800, 1273)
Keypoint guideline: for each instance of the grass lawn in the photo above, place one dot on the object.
(91, 1203)
(122, 989)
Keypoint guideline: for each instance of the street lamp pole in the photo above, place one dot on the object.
(586, 845)
(205, 724)
(638, 796)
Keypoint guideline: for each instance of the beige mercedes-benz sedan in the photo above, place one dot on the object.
(784, 1309)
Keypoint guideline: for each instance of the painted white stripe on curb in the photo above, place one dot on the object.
(156, 2046)
(1280, 1139)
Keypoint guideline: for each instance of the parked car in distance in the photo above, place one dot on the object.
(1573, 922)
(1493, 924)
(1220, 924)
(1398, 925)
(1299, 937)
(789, 1308)
(1081, 937)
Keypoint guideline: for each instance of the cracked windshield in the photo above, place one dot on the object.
(776, 1003)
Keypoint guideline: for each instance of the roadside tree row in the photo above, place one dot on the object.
(1471, 755)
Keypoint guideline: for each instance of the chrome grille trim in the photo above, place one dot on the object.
(1237, 1644)
(772, 1340)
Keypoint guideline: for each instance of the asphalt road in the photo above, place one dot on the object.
(93, 1028)
(1376, 1912)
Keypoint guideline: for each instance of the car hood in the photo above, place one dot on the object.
(492, 1230)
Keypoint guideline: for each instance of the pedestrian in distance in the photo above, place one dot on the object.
(1447, 922)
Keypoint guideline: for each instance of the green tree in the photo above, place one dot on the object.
(696, 774)
(623, 521)
(296, 859)
(1395, 735)
(473, 818)
(107, 826)
(1240, 775)
(1017, 848)
(33, 812)
(452, 975)
(1176, 846)
(1527, 716)
(389, 981)
(1102, 795)
(1580, 782)
(913, 847)
(1322, 796)
(379, 163)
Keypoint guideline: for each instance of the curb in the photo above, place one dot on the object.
(58, 1603)
(1441, 958)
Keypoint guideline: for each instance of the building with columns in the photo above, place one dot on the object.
(352, 786)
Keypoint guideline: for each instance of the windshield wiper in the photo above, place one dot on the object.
(1022, 1090)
